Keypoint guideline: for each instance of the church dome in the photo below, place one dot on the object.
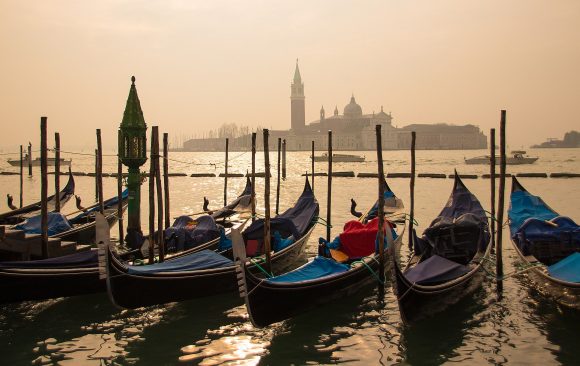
(352, 109)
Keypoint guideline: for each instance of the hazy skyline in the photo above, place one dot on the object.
(201, 64)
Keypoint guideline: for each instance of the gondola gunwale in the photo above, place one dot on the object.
(402, 286)
(541, 268)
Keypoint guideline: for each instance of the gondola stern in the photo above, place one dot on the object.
(516, 185)
(104, 254)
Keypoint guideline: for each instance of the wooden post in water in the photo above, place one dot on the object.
(492, 188)
(120, 195)
(29, 159)
(43, 189)
(498, 250)
(278, 179)
(381, 203)
(21, 177)
(166, 177)
(412, 190)
(312, 166)
(160, 212)
(57, 171)
(253, 192)
(329, 195)
(284, 159)
(226, 175)
(152, 200)
(100, 172)
(267, 246)
(96, 172)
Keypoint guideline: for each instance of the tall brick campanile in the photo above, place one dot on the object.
(297, 109)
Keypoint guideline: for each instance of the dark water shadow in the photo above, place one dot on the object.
(433, 340)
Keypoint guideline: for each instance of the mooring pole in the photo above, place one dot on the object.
(29, 159)
(166, 177)
(96, 172)
(57, 171)
(120, 195)
(152, 200)
(312, 166)
(492, 188)
(412, 190)
(329, 191)
(278, 179)
(498, 250)
(21, 177)
(226, 175)
(381, 203)
(43, 189)
(267, 246)
(160, 212)
(100, 172)
(284, 159)
(253, 194)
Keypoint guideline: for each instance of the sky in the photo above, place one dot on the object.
(200, 64)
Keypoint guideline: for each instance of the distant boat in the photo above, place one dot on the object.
(341, 158)
(36, 162)
(518, 157)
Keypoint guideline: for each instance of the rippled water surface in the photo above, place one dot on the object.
(522, 327)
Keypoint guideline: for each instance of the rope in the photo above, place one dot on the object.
(319, 220)
(257, 264)
(361, 261)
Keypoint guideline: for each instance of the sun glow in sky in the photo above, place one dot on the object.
(199, 64)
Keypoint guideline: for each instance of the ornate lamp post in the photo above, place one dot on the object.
(132, 152)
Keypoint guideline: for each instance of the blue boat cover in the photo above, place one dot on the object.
(293, 222)
(57, 223)
(568, 269)
(186, 233)
(77, 260)
(110, 203)
(204, 259)
(523, 206)
(317, 268)
(561, 229)
(435, 269)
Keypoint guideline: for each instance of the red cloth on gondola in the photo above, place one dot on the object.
(358, 239)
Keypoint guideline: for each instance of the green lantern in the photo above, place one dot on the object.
(132, 153)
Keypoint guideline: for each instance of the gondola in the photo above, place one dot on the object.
(446, 263)
(78, 274)
(205, 272)
(331, 275)
(20, 214)
(548, 245)
(79, 228)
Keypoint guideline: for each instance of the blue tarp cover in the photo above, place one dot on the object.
(204, 259)
(435, 269)
(568, 269)
(317, 268)
(186, 233)
(560, 230)
(293, 222)
(77, 260)
(57, 223)
(523, 206)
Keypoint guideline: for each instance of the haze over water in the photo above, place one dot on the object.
(522, 328)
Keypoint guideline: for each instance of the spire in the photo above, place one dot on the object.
(352, 99)
(336, 110)
(297, 77)
(133, 115)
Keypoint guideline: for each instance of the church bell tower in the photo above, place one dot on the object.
(297, 109)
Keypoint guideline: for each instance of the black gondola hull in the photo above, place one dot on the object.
(27, 285)
(135, 291)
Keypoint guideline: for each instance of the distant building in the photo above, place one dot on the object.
(351, 130)
(571, 140)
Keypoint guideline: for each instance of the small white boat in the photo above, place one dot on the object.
(341, 158)
(36, 162)
(518, 157)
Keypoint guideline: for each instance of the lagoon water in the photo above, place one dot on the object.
(520, 328)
